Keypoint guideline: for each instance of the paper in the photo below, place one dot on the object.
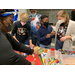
(36, 59)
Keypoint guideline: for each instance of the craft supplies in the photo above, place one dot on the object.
(66, 52)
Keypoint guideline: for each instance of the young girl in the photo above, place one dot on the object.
(45, 34)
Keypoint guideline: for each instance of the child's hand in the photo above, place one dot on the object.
(48, 35)
(53, 33)
(31, 46)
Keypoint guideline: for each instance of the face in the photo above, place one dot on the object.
(6, 21)
(23, 23)
(33, 11)
(45, 20)
(61, 18)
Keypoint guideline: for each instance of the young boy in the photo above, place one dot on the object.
(45, 33)
(34, 21)
(23, 30)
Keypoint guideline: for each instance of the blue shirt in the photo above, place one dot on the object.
(34, 23)
(41, 35)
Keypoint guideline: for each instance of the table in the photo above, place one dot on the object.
(66, 57)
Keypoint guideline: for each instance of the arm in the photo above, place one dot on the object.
(19, 60)
(8, 56)
(29, 36)
(73, 34)
(62, 39)
(68, 37)
(18, 46)
(72, 31)
(14, 31)
(52, 33)
(39, 36)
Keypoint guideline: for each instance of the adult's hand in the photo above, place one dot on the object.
(33, 63)
(36, 53)
(62, 39)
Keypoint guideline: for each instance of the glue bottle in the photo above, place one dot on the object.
(47, 56)
(52, 52)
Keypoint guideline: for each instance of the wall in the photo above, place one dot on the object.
(20, 12)
(28, 12)
(52, 13)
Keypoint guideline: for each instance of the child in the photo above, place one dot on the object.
(23, 30)
(34, 21)
(45, 33)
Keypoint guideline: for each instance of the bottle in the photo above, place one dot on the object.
(47, 56)
(52, 53)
